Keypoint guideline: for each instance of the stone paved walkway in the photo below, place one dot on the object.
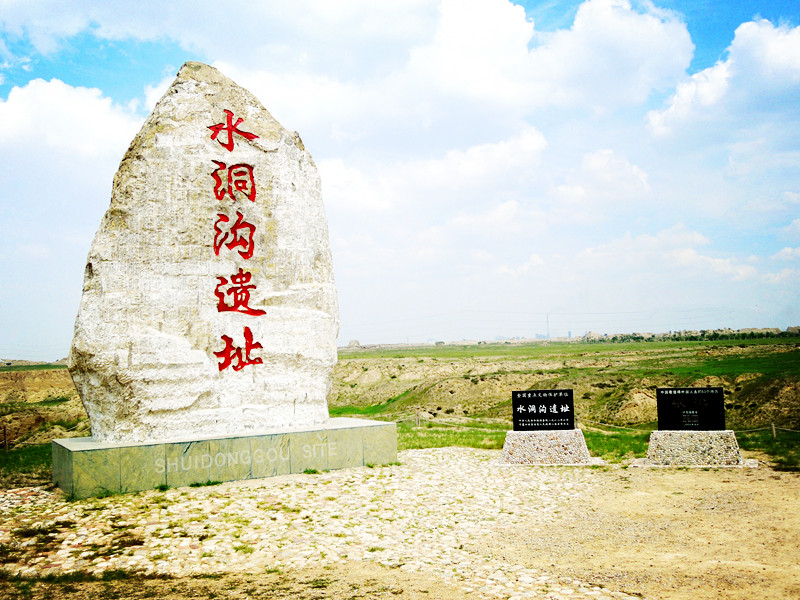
(430, 514)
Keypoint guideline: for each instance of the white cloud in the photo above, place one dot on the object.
(670, 257)
(770, 53)
(642, 253)
(484, 163)
(784, 276)
(36, 252)
(504, 218)
(310, 101)
(58, 116)
(629, 262)
(153, 93)
(761, 71)
(432, 64)
(787, 254)
(605, 184)
(612, 56)
(46, 22)
(60, 146)
(703, 90)
(479, 51)
(467, 157)
(473, 176)
(288, 35)
(695, 262)
(362, 252)
(793, 229)
(476, 48)
(348, 188)
(614, 171)
(534, 260)
(668, 279)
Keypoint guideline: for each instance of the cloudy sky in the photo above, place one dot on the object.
(489, 168)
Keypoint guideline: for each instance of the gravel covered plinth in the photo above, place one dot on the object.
(548, 447)
(689, 448)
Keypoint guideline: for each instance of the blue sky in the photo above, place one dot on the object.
(489, 169)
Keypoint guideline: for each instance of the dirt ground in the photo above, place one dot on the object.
(611, 383)
(651, 533)
(356, 581)
(26, 416)
(677, 533)
(35, 386)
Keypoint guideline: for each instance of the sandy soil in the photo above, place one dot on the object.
(677, 533)
(35, 386)
(33, 423)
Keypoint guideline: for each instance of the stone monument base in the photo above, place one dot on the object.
(546, 447)
(693, 448)
(83, 467)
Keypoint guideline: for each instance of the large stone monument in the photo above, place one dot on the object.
(209, 309)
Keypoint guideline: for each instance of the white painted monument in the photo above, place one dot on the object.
(206, 335)
(208, 304)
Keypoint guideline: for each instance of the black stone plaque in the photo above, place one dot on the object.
(696, 409)
(535, 410)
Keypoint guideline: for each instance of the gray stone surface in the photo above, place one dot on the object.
(550, 447)
(85, 467)
(693, 448)
(195, 188)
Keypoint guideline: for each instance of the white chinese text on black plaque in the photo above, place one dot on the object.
(696, 409)
(535, 410)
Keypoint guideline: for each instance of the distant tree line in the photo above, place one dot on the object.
(693, 336)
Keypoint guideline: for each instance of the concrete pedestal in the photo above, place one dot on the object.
(547, 447)
(693, 448)
(83, 467)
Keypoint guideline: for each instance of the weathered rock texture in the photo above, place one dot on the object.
(547, 447)
(148, 357)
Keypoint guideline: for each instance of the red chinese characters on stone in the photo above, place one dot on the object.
(239, 290)
(234, 181)
(230, 128)
(237, 357)
(240, 234)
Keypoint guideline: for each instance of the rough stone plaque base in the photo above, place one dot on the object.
(693, 448)
(547, 447)
(83, 467)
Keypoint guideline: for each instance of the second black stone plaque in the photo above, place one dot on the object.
(698, 409)
(535, 410)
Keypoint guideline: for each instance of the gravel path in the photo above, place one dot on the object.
(431, 514)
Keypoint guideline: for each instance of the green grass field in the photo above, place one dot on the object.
(41, 367)
(551, 349)
(30, 465)
(765, 365)
(25, 466)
